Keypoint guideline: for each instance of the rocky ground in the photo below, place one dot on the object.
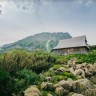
(66, 80)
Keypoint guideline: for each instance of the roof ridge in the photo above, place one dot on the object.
(73, 38)
(72, 42)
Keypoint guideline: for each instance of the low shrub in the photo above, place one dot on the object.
(5, 84)
(23, 79)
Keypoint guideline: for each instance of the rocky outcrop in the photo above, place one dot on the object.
(79, 73)
(60, 70)
(76, 94)
(81, 85)
(60, 91)
(90, 92)
(32, 91)
(48, 79)
(66, 84)
(85, 85)
(93, 79)
(47, 86)
(49, 94)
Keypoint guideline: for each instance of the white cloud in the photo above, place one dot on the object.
(85, 2)
(22, 5)
(89, 2)
(44, 2)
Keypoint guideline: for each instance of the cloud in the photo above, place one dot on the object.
(89, 2)
(25, 5)
(45, 2)
(85, 2)
(0, 9)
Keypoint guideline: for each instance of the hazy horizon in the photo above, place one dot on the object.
(23, 18)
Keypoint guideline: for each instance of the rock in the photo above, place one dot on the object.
(94, 86)
(79, 73)
(70, 80)
(93, 79)
(49, 94)
(48, 79)
(32, 91)
(56, 85)
(92, 69)
(72, 61)
(51, 69)
(66, 84)
(70, 94)
(90, 92)
(81, 85)
(60, 91)
(60, 70)
(75, 94)
(47, 86)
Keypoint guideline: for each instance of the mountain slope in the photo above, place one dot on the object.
(45, 41)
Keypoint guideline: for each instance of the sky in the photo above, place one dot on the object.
(23, 18)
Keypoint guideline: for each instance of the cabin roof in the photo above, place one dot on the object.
(79, 41)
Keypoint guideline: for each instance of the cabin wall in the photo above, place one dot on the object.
(81, 50)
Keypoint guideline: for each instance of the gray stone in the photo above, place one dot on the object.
(90, 92)
(81, 85)
(32, 91)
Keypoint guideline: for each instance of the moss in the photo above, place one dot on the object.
(56, 66)
(59, 77)
(69, 75)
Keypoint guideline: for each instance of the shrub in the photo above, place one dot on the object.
(5, 84)
(23, 79)
(56, 66)
(29, 76)
(16, 60)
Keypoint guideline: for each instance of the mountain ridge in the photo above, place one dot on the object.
(45, 41)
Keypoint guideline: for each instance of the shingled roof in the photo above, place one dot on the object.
(72, 42)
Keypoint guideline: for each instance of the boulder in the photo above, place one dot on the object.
(47, 86)
(66, 84)
(70, 80)
(90, 92)
(48, 79)
(60, 91)
(76, 94)
(70, 94)
(93, 79)
(32, 91)
(92, 69)
(49, 94)
(79, 73)
(60, 70)
(81, 85)
(72, 61)
(56, 85)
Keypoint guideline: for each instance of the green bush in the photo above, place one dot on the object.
(56, 66)
(5, 84)
(81, 58)
(69, 75)
(27, 75)
(23, 79)
(16, 60)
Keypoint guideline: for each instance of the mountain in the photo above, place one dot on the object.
(44, 41)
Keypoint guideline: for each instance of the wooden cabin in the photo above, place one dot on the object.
(75, 45)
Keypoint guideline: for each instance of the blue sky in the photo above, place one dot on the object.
(21, 19)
